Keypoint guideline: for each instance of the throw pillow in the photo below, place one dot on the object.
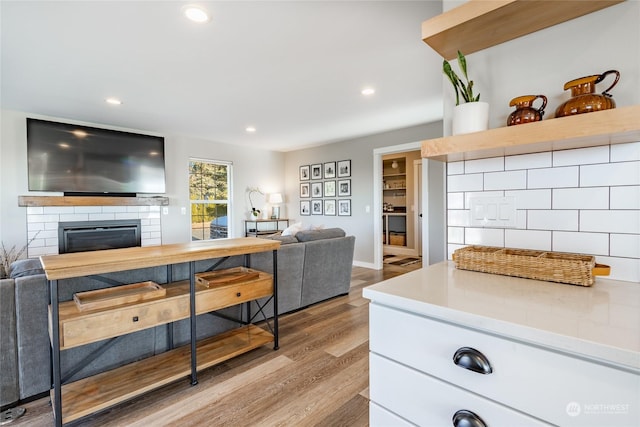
(292, 230)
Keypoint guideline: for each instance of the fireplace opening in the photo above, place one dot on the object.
(81, 236)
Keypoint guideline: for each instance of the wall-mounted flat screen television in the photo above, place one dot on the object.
(80, 160)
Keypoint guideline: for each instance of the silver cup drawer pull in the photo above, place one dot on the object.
(465, 418)
(473, 360)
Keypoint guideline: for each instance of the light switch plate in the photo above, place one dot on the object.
(498, 212)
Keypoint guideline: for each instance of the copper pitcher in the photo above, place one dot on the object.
(583, 96)
(525, 113)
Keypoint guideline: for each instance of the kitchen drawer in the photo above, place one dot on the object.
(528, 378)
(427, 401)
(380, 417)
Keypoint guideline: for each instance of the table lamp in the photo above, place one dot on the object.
(275, 199)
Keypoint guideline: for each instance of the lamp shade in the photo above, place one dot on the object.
(275, 198)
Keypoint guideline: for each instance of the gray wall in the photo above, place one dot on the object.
(360, 152)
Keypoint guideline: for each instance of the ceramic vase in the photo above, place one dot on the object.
(470, 117)
(583, 96)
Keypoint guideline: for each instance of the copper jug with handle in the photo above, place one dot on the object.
(583, 96)
(525, 112)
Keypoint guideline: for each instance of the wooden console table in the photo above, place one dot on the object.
(184, 299)
(252, 227)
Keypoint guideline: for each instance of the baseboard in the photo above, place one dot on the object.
(365, 265)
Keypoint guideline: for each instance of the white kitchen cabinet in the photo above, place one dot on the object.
(558, 354)
(425, 400)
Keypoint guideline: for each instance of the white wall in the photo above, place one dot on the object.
(541, 63)
(360, 152)
(251, 167)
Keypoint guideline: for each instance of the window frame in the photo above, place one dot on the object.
(228, 201)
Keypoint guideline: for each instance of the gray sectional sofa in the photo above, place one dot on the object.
(312, 266)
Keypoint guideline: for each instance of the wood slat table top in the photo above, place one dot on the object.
(106, 261)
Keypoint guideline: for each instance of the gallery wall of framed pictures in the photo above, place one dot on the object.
(323, 188)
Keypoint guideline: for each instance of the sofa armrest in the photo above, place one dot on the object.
(327, 269)
(9, 391)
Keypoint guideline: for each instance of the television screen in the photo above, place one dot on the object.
(82, 159)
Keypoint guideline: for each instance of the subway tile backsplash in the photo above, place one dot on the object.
(583, 200)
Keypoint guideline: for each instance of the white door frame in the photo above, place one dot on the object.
(417, 202)
(377, 194)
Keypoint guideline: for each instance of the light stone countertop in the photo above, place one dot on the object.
(600, 323)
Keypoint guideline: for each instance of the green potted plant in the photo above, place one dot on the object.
(472, 115)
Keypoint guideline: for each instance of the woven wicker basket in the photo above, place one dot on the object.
(558, 267)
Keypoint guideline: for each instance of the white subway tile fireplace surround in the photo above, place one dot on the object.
(42, 222)
(583, 200)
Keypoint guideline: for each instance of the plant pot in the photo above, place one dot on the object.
(470, 117)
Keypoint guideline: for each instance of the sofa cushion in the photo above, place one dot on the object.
(26, 267)
(327, 233)
(284, 239)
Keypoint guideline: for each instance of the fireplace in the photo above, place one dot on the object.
(80, 236)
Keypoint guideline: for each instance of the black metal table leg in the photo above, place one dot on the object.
(192, 318)
(170, 324)
(55, 343)
(276, 344)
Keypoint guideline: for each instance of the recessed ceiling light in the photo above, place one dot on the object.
(250, 129)
(195, 13)
(79, 133)
(367, 91)
(113, 101)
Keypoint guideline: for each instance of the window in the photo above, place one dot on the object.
(209, 192)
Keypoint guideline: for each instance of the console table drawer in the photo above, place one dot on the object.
(99, 325)
(524, 377)
(216, 298)
(80, 328)
(427, 401)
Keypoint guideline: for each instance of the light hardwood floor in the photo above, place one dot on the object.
(318, 377)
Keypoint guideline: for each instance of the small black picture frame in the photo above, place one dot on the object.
(329, 189)
(304, 190)
(316, 207)
(330, 207)
(344, 187)
(329, 170)
(305, 207)
(305, 174)
(344, 168)
(344, 207)
(316, 171)
(316, 190)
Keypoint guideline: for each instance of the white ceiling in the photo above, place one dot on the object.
(292, 69)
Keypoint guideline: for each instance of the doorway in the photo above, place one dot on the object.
(380, 220)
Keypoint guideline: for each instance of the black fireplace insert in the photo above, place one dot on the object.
(81, 236)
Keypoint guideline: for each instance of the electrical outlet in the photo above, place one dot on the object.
(183, 210)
